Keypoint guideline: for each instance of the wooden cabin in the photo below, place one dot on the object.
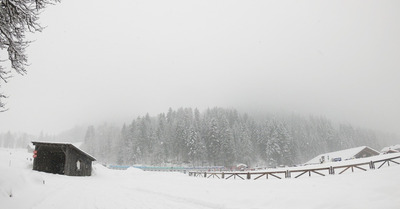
(61, 158)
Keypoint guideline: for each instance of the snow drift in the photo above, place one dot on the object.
(21, 187)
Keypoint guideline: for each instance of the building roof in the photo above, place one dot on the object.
(343, 154)
(60, 144)
(393, 147)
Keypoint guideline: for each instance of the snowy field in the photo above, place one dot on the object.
(21, 187)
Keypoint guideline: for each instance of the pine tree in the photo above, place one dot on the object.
(192, 143)
(90, 143)
(123, 146)
(227, 144)
(213, 143)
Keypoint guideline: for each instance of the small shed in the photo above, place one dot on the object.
(241, 167)
(61, 158)
(353, 153)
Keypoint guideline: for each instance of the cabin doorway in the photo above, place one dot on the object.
(51, 160)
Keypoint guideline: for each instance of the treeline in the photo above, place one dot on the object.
(21, 139)
(15, 140)
(223, 137)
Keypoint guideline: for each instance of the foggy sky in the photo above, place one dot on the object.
(115, 60)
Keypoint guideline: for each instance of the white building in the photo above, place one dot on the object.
(353, 153)
(391, 149)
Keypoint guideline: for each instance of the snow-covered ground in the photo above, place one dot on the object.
(21, 187)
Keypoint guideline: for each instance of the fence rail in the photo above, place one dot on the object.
(280, 174)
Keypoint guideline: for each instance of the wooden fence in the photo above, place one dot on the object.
(297, 172)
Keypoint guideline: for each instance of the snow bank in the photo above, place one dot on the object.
(135, 171)
(134, 188)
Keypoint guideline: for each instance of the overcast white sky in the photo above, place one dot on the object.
(103, 60)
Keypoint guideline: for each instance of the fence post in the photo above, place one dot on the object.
(371, 165)
(205, 174)
(248, 175)
(331, 171)
(287, 174)
(223, 175)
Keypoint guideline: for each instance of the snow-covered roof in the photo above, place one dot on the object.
(78, 144)
(343, 154)
(64, 143)
(393, 147)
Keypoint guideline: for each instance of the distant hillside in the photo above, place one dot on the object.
(226, 137)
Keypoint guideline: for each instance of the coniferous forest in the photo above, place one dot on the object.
(223, 137)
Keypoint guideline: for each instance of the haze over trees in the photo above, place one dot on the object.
(223, 137)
